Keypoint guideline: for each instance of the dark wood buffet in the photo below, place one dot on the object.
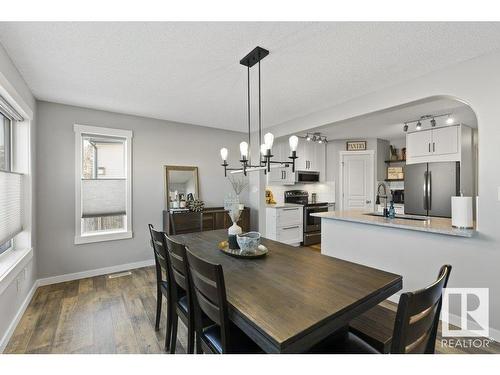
(212, 217)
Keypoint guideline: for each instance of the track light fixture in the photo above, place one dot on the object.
(432, 120)
(315, 137)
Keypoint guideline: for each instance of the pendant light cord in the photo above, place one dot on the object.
(248, 92)
(260, 113)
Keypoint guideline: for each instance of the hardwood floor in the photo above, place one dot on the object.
(108, 315)
(94, 315)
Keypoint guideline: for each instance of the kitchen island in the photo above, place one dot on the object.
(413, 248)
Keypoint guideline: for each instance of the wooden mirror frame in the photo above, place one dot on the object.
(168, 168)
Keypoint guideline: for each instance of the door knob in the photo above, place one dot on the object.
(368, 202)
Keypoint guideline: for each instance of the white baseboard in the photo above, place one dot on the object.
(8, 334)
(92, 273)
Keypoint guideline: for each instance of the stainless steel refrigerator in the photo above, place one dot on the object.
(429, 188)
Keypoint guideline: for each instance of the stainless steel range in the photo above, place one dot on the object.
(312, 225)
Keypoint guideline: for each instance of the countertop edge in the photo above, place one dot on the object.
(465, 233)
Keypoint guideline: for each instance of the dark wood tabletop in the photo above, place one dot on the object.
(294, 297)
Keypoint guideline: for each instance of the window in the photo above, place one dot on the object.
(10, 188)
(103, 184)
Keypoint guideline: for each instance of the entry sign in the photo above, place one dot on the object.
(356, 145)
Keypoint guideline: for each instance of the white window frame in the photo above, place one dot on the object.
(81, 130)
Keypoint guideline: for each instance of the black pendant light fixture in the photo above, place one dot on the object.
(252, 58)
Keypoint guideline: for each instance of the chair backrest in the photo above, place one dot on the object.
(176, 256)
(209, 293)
(160, 252)
(417, 317)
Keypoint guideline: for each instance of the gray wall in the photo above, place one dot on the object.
(155, 143)
(333, 148)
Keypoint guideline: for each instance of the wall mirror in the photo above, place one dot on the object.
(181, 185)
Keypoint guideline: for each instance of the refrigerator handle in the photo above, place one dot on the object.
(425, 191)
(429, 190)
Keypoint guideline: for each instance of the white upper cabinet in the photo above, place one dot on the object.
(281, 175)
(418, 144)
(434, 145)
(445, 140)
(311, 157)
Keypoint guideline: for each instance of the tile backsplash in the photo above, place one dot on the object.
(325, 191)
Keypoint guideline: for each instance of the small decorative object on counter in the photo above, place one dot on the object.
(392, 211)
(270, 197)
(461, 212)
(248, 242)
(195, 205)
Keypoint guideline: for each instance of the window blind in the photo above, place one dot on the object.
(8, 111)
(103, 197)
(11, 207)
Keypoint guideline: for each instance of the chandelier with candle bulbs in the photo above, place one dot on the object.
(265, 157)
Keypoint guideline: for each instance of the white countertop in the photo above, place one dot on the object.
(432, 225)
(283, 205)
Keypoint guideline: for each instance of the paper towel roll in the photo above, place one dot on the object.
(461, 212)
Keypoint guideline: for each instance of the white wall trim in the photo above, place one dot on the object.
(110, 132)
(8, 334)
(14, 261)
(94, 272)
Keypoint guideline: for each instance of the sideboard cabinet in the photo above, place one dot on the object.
(213, 218)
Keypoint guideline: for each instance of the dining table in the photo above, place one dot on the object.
(294, 297)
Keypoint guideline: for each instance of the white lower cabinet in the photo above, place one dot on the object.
(285, 224)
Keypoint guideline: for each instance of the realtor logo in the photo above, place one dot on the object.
(473, 305)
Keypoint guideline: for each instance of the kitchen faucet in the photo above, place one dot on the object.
(381, 184)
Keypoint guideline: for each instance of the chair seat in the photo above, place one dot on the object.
(348, 344)
(183, 304)
(375, 327)
(240, 342)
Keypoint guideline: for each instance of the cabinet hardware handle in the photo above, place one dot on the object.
(291, 209)
(429, 147)
(433, 147)
(296, 226)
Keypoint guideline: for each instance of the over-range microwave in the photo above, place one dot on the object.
(306, 177)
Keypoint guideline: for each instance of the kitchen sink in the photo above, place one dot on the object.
(406, 217)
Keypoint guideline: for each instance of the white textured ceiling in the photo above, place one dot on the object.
(388, 123)
(190, 72)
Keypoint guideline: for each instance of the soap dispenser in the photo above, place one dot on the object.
(392, 211)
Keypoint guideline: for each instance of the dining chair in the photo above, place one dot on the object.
(180, 291)
(415, 324)
(209, 298)
(162, 280)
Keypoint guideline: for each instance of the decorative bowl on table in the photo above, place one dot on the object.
(248, 242)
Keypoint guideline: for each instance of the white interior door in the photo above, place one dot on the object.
(357, 180)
